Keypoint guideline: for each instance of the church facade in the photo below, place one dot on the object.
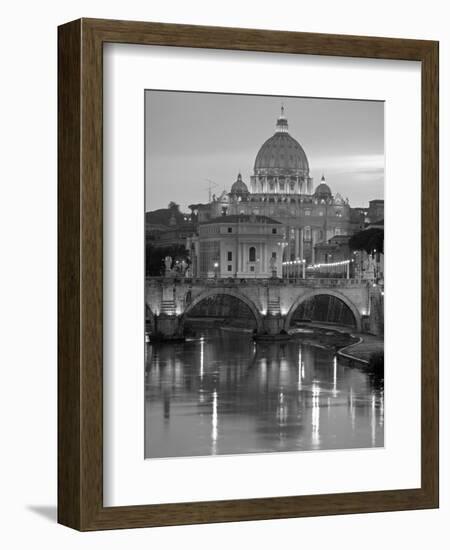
(237, 246)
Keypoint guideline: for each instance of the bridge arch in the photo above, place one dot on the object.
(327, 292)
(229, 292)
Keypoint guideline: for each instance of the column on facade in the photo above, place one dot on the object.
(297, 243)
(258, 257)
(288, 255)
(262, 262)
(293, 241)
(239, 259)
(301, 243)
(291, 245)
(313, 242)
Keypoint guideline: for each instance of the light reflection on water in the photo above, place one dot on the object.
(222, 394)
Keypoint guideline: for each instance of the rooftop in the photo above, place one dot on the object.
(242, 218)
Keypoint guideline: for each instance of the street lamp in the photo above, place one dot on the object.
(216, 266)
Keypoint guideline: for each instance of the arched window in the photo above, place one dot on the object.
(252, 254)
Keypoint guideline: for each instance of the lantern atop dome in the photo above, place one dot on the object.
(282, 123)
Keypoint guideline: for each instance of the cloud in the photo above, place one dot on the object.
(354, 164)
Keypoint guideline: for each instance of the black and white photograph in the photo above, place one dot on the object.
(223, 348)
(264, 274)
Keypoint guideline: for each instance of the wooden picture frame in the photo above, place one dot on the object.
(80, 272)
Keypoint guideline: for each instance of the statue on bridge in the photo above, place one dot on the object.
(180, 267)
(168, 266)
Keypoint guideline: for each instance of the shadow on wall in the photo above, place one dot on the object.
(48, 512)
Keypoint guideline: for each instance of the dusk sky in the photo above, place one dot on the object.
(194, 138)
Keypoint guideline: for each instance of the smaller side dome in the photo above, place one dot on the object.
(239, 187)
(322, 190)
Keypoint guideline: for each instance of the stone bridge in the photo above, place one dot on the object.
(272, 301)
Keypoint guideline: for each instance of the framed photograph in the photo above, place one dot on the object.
(238, 339)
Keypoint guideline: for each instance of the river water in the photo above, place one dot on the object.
(220, 393)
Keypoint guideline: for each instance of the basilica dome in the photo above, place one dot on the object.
(281, 153)
(322, 190)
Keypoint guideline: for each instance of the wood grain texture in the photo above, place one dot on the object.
(80, 241)
(430, 273)
(69, 247)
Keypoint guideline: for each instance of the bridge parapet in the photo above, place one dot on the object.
(272, 282)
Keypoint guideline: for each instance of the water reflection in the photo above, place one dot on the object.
(222, 394)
